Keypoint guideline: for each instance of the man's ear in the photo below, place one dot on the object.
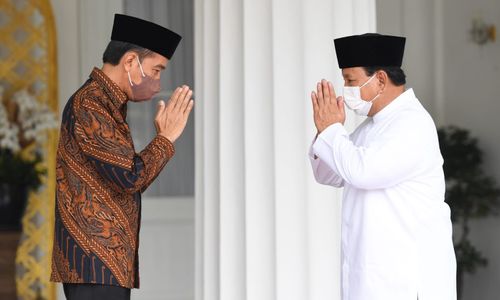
(383, 79)
(128, 60)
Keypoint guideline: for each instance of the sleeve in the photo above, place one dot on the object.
(322, 172)
(396, 155)
(113, 155)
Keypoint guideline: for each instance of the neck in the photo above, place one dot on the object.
(385, 99)
(117, 76)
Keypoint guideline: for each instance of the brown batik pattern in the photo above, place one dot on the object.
(99, 181)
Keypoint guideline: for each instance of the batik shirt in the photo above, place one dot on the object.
(100, 178)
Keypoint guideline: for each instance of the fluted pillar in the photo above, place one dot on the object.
(265, 229)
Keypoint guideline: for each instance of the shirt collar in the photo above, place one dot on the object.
(395, 104)
(117, 96)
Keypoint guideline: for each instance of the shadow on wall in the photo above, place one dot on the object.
(471, 194)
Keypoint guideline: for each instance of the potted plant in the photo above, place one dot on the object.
(23, 129)
(470, 193)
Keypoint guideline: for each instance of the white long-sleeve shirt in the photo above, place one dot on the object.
(396, 227)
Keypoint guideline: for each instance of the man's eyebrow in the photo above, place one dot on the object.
(160, 66)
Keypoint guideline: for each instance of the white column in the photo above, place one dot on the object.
(231, 150)
(265, 229)
(290, 101)
(259, 161)
(207, 149)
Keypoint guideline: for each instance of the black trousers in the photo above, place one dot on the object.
(83, 291)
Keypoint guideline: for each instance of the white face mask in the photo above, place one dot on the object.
(353, 100)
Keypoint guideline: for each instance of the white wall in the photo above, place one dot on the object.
(68, 68)
(83, 29)
(458, 82)
(472, 89)
(416, 21)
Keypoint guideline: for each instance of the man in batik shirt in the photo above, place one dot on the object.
(100, 177)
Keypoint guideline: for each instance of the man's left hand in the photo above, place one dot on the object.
(328, 109)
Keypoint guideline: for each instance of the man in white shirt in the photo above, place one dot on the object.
(396, 227)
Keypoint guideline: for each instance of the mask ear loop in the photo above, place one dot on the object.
(368, 81)
(379, 92)
(140, 66)
(375, 97)
(129, 79)
(142, 71)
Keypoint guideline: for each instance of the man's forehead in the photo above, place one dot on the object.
(352, 72)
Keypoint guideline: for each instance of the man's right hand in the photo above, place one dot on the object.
(327, 108)
(171, 118)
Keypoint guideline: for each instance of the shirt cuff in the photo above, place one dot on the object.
(326, 138)
(311, 151)
(165, 144)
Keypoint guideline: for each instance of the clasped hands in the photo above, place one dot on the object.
(328, 109)
(171, 118)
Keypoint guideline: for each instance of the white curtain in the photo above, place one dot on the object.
(265, 229)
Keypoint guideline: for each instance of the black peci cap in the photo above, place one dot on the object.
(370, 50)
(145, 34)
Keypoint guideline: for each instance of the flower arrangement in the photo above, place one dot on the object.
(23, 129)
